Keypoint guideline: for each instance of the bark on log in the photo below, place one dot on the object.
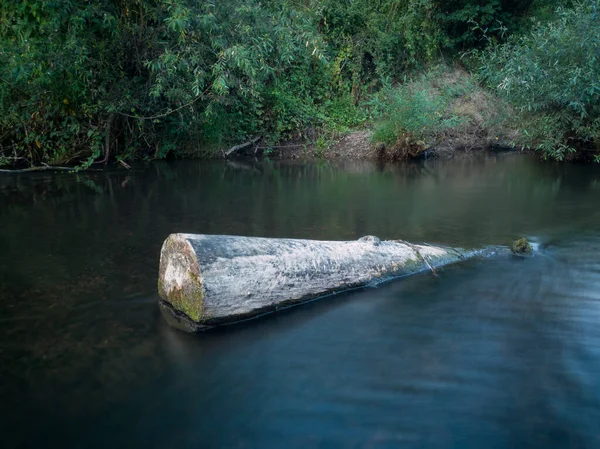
(210, 280)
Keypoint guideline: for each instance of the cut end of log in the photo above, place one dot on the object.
(180, 280)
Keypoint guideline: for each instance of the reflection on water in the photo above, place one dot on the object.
(497, 354)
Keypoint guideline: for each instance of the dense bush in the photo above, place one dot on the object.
(85, 81)
(552, 77)
(388, 37)
(80, 78)
(375, 38)
(467, 24)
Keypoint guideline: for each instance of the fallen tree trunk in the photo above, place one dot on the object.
(211, 280)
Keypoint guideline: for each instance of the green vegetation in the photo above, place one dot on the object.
(552, 77)
(442, 107)
(521, 246)
(83, 82)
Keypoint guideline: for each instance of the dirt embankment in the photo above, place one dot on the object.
(359, 145)
(435, 115)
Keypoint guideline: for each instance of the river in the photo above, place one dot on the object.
(501, 353)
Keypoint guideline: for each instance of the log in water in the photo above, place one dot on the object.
(210, 280)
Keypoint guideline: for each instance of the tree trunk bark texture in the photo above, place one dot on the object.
(211, 280)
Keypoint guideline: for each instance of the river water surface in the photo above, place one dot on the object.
(501, 353)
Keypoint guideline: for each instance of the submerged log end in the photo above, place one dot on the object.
(180, 280)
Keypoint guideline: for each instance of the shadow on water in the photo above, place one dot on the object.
(498, 353)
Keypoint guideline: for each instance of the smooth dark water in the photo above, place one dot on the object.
(498, 353)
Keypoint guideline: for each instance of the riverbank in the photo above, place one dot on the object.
(358, 145)
(437, 114)
(141, 86)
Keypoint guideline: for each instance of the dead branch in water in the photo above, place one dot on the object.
(44, 168)
(242, 146)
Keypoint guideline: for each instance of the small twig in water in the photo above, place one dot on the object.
(416, 250)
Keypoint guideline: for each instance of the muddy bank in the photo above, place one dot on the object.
(360, 145)
(435, 115)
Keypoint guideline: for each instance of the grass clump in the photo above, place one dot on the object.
(445, 107)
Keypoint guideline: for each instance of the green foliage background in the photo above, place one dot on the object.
(151, 77)
(551, 75)
(85, 81)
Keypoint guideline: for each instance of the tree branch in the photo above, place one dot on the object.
(241, 147)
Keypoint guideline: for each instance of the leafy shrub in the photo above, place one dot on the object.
(412, 111)
(80, 79)
(341, 114)
(552, 77)
(495, 20)
(373, 39)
